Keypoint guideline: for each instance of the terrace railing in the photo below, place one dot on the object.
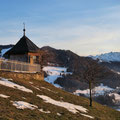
(17, 66)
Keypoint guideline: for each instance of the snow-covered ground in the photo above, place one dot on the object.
(54, 73)
(99, 90)
(116, 98)
(8, 83)
(102, 90)
(69, 106)
(3, 51)
(108, 57)
(23, 105)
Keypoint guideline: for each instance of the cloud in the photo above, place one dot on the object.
(87, 32)
(82, 39)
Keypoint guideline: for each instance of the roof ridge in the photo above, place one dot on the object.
(26, 42)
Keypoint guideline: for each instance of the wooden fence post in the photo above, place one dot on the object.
(0, 64)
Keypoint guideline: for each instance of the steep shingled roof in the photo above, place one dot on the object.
(24, 45)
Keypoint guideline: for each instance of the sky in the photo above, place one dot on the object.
(86, 27)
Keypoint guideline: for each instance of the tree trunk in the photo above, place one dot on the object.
(90, 88)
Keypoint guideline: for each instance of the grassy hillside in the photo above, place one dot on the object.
(49, 111)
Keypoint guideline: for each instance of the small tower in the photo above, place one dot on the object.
(24, 50)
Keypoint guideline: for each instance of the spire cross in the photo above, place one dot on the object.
(24, 29)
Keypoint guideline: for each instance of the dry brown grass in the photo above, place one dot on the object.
(9, 112)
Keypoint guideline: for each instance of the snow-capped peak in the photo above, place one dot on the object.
(108, 57)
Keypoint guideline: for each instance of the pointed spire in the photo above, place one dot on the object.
(23, 29)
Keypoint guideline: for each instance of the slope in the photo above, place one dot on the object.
(39, 100)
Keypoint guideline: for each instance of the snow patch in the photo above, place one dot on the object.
(116, 96)
(4, 96)
(58, 114)
(8, 83)
(36, 88)
(23, 105)
(70, 107)
(41, 110)
(99, 90)
(54, 73)
(87, 116)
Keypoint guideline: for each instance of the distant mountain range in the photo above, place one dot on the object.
(110, 60)
(108, 57)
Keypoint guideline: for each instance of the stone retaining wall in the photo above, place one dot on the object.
(19, 75)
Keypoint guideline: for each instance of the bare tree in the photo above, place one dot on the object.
(92, 72)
